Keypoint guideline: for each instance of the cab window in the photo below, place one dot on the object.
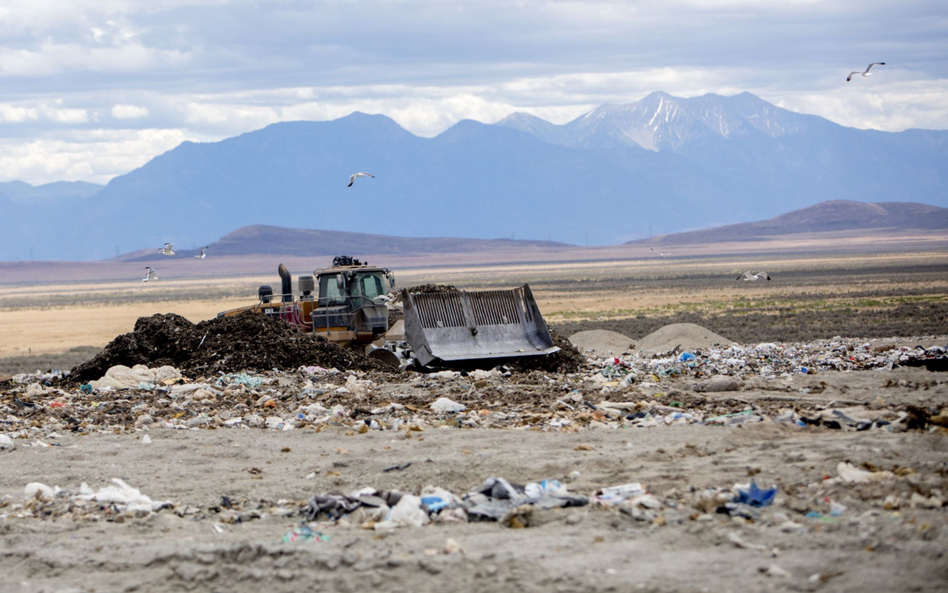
(369, 285)
(329, 293)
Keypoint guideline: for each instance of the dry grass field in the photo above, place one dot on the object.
(810, 296)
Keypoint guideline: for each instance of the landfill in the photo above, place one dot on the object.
(757, 456)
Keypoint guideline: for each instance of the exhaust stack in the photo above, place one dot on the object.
(287, 284)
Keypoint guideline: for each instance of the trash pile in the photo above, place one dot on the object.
(614, 397)
(219, 345)
(495, 499)
(767, 360)
(216, 386)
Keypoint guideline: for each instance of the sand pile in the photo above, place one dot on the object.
(244, 342)
(684, 336)
(602, 341)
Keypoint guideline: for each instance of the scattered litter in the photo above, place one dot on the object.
(303, 534)
(41, 491)
(850, 474)
(754, 496)
(122, 496)
(444, 405)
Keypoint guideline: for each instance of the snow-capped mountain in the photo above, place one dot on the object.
(663, 122)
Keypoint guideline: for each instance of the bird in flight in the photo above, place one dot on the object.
(352, 177)
(749, 276)
(866, 73)
(168, 249)
(663, 254)
(203, 253)
(149, 274)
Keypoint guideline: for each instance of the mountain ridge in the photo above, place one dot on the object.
(698, 161)
(825, 217)
(274, 240)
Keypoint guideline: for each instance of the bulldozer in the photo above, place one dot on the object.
(349, 304)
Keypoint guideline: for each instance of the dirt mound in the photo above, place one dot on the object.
(426, 288)
(602, 341)
(432, 288)
(248, 341)
(567, 360)
(684, 336)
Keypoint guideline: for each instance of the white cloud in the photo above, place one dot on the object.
(129, 112)
(888, 107)
(14, 114)
(103, 72)
(53, 59)
(66, 115)
(97, 157)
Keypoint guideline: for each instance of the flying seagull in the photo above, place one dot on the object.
(168, 249)
(352, 177)
(866, 73)
(203, 253)
(663, 254)
(749, 276)
(149, 274)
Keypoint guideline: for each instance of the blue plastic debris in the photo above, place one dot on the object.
(686, 356)
(86, 388)
(434, 503)
(755, 496)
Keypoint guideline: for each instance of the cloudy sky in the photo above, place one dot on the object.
(94, 88)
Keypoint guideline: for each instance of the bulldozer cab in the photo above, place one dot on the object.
(348, 306)
(336, 287)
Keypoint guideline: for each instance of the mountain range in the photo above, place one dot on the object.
(57, 191)
(662, 164)
(273, 240)
(835, 216)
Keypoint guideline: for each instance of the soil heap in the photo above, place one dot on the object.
(244, 342)
(684, 336)
(602, 341)
(424, 288)
(567, 360)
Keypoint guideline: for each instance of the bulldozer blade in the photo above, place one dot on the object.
(464, 328)
(384, 356)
